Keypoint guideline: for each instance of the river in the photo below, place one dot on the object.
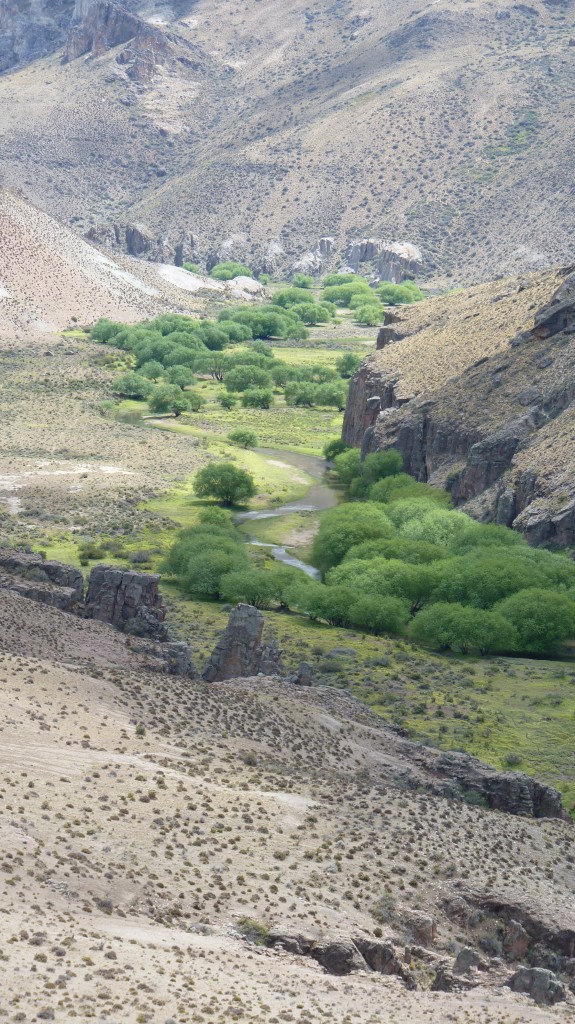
(317, 498)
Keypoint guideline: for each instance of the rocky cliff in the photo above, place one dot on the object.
(487, 412)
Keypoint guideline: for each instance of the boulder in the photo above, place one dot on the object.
(381, 956)
(515, 941)
(338, 956)
(128, 600)
(303, 676)
(466, 960)
(37, 569)
(421, 926)
(543, 986)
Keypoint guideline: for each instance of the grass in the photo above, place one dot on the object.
(494, 708)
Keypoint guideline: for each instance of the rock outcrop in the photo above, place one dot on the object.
(99, 25)
(46, 582)
(130, 601)
(497, 432)
(543, 986)
(241, 651)
(390, 261)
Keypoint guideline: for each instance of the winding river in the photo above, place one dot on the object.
(317, 498)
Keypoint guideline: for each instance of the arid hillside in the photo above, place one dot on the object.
(51, 279)
(256, 130)
(476, 390)
(255, 851)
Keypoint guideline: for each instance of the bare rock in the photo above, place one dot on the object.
(515, 941)
(98, 27)
(178, 659)
(128, 600)
(240, 652)
(303, 676)
(381, 956)
(422, 927)
(543, 986)
(466, 960)
(338, 956)
(33, 567)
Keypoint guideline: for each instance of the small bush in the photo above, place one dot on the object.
(243, 437)
(228, 270)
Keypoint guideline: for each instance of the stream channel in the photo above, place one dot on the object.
(318, 497)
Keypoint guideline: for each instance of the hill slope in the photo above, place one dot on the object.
(48, 276)
(256, 130)
(137, 860)
(476, 390)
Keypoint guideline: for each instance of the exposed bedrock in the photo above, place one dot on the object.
(498, 436)
(241, 650)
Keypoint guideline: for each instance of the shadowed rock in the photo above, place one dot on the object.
(240, 650)
(543, 986)
(128, 600)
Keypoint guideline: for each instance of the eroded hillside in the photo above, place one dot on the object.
(257, 130)
(476, 391)
(157, 827)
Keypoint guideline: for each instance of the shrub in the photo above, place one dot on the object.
(333, 448)
(240, 378)
(380, 614)
(335, 279)
(399, 294)
(437, 525)
(192, 268)
(542, 618)
(403, 486)
(458, 628)
(312, 313)
(292, 296)
(379, 465)
(331, 394)
(300, 280)
(168, 398)
(344, 526)
(254, 586)
(224, 482)
(257, 398)
(387, 578)
(132, 385)
(348, 466)
(368, 314)
(195, 400)
(226, 400)
(301, 393)
(264, 279)
(182, 376)
(153, 369)
(228, 270)
(243, 437)
(343, 294)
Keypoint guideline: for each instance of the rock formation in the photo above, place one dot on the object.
(487, 433)
(240, 651)
(391, 261)
(97, 26)
(130, 601)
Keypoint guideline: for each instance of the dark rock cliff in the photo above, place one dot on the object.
(498, 436)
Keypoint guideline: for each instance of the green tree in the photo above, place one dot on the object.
(379, 614)
(254, 586)
(132, 385)
(542, 619)
(292, 296)
(342, 294)
(344, 526)
(168, 398)
(387, 578)
(379, 465)
(458, 628)
(240, 378)
(224, 482)
(153, 369)
(368, 314)
(331, 393)
(226, 400)
(243, 437)
(192, 268)
(182, 376)
(347, 364)
(399, 294)
(333, 448)
(348, 466)
(228, 270)
(336, 279)
(301, 394)
(258, 398)
(311, 313)
(195, 400)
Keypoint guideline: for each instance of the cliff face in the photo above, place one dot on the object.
(498, 435)
(29, 31)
